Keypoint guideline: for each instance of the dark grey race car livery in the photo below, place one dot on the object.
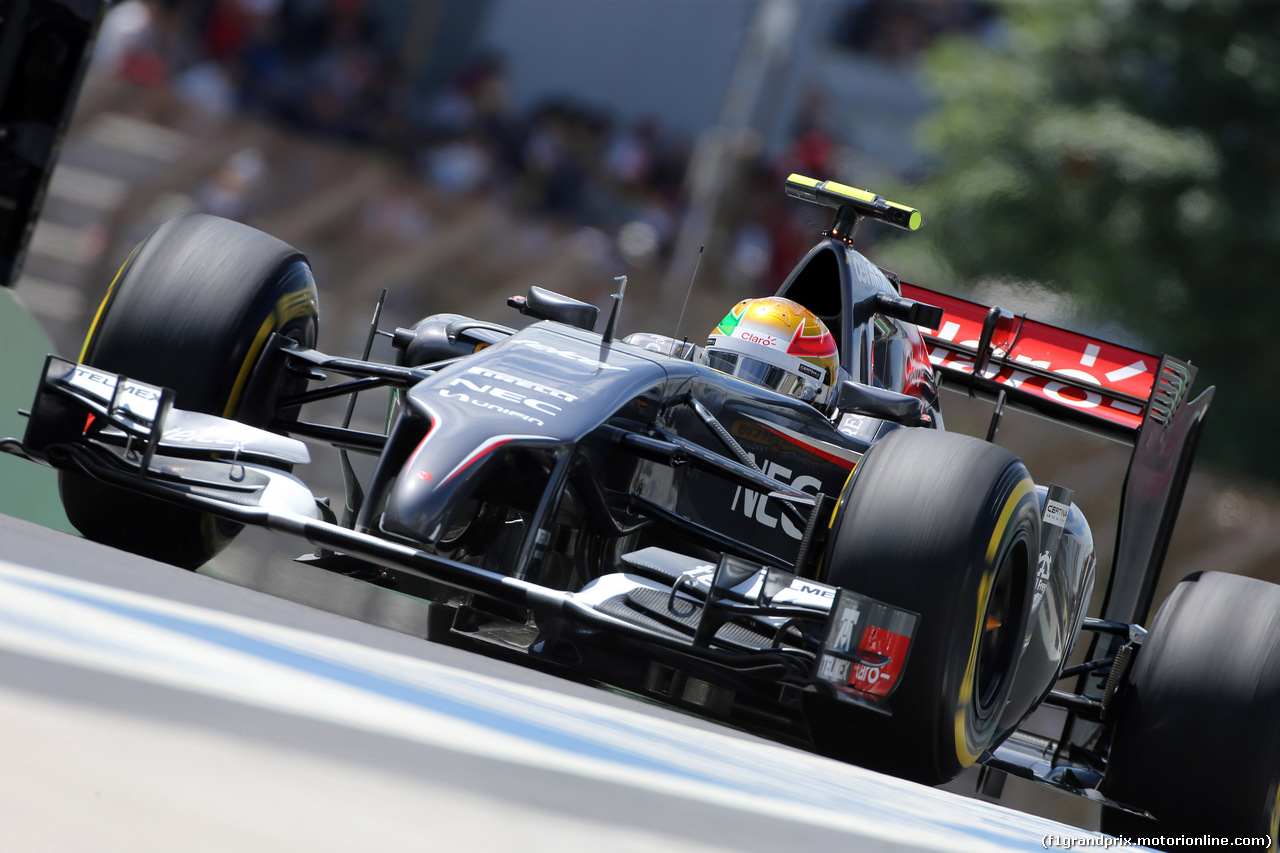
(852, 579)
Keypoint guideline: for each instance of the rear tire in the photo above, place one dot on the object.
(192, 309)
(947, 527)
(1197, 735)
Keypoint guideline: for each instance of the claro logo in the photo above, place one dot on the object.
(762, 340)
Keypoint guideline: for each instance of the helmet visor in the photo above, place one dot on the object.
(763, 373)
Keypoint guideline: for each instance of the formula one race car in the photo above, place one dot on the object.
(773, 530)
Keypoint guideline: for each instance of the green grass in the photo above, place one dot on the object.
(27, 490)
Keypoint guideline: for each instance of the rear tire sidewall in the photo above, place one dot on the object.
(1197, 731)
(192, 309)
(945, 526)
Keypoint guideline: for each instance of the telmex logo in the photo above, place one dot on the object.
(82, 372)
(109, 381)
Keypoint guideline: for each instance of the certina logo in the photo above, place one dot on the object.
(1056, 513)
(567, 355)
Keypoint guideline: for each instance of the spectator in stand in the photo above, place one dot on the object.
(232, 190)
(156, 43)
(462, 165)
(323, 66)
(898, 30)
(632, 154)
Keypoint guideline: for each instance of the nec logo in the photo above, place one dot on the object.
(504, 394)
(756, 506)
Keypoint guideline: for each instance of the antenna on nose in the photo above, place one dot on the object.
(617, 306)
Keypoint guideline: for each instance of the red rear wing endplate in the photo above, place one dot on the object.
(1061, 374)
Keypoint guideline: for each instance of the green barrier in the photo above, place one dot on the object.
(27, 490)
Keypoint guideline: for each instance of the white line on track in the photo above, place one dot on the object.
(335, 681)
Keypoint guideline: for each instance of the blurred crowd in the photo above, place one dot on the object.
(898, 30)
(335, 69)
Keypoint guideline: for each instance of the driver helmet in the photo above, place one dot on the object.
(777, 343)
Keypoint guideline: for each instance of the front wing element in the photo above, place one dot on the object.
(735, 614)
(78, 402)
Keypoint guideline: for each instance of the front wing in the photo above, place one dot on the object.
(733, 614)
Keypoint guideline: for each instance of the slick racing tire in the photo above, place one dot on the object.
(947, 527)
(192, 309)
(1197, 727)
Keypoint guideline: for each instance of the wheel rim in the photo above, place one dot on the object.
(995, 648)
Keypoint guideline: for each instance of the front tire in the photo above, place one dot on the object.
(191, 309)
(1197, 735)
(945, 526)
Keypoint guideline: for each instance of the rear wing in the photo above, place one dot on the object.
(1141, 399)
(1094, 384)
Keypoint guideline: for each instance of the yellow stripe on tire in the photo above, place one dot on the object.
(1022, 490)
(102, 306)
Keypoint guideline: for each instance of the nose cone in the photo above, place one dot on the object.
(450, 475)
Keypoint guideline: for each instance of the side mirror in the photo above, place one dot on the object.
(881, 403)
(909, 310)
(547, 305)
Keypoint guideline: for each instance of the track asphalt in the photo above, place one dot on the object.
(145, 708)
